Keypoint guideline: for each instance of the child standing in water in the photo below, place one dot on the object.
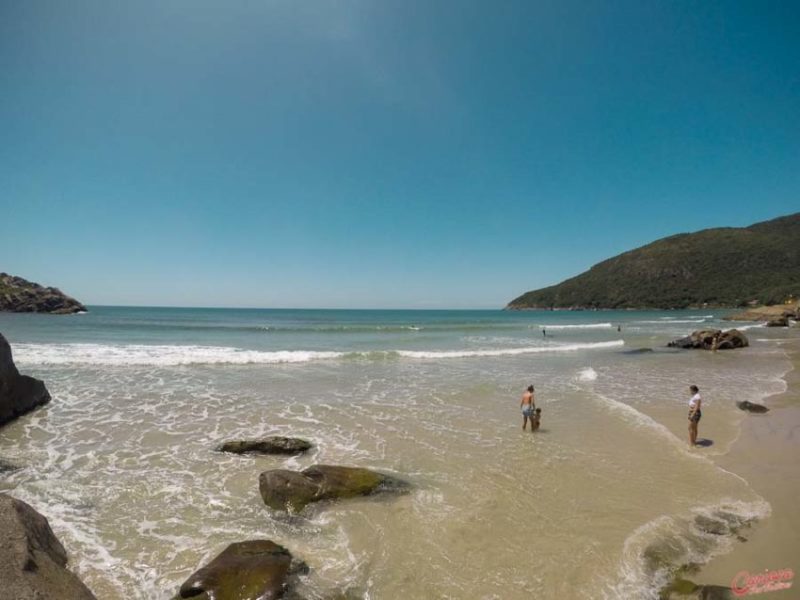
(536, 420)
(527, 405)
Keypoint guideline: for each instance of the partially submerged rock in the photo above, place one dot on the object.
(268, 445)
(8, 467)
(683, 589)
(752, 407)
(638, 351)
(782, 321)
(708, 339)
(32, 560)
(250, 570)
(292, 490)
(19, 394)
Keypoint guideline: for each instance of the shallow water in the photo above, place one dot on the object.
(122, 460)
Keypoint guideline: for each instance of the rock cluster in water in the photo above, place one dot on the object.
(709, 339)
(20, 295)
(19, 394)
(32, 560)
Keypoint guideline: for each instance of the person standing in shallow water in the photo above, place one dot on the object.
(527, 405)
(694, 414)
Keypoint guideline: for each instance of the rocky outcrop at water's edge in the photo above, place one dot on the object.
(32, 560)
(20, 295)
(19, 394)
(710, 339)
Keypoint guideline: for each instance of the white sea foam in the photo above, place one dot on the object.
(165, 356)
(587, 374)
(579, 326)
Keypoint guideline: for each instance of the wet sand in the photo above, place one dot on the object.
(766, 455)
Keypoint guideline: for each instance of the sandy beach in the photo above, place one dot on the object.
(765, 455)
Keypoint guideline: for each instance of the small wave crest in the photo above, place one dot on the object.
(587, 374)
(578, 326)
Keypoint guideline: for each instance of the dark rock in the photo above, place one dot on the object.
(732, 339)
(778, 322)
(291, 490)
(708, 339)
(712, 526)
(251, 570)
(19, 394)
(19, 295)
(752, 407)
(268, 445)
(32, 560)
(683, 589)
(7, 467)
(637, 351)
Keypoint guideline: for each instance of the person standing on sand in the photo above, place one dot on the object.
(527, 405)
(694, 414)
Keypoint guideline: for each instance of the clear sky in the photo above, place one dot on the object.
(381, 153)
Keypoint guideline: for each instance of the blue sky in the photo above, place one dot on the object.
(380, 154)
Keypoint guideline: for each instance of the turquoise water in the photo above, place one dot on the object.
(122, 460)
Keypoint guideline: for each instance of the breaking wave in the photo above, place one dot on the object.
(163, 355)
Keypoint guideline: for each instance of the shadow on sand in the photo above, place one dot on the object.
(704, 442)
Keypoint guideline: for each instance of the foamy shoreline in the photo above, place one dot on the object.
(765, 455)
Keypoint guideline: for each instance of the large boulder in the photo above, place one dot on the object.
(19, 394)
(706, 339)
(293, 490)
(251, 570)
(32, 560)
(268, 445)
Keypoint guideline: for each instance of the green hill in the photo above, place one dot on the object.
(714, 267)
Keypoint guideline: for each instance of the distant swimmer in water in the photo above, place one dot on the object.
(694, 414)
(527, 405)
(544, 332)
(619, 327)
(536, 420)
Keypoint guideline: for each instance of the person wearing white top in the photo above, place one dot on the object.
(694, 414)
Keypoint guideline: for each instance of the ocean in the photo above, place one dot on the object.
(600, 504)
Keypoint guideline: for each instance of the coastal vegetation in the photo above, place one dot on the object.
(722, 267)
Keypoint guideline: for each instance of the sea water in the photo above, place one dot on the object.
(122, 461)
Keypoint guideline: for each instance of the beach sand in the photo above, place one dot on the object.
(766, 455)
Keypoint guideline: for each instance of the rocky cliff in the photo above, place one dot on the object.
(20, 295)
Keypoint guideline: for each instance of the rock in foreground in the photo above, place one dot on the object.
(704, 339)
(19, 394)
(268, 445)
(20, 295)
(293, 490)
(251, 570)
(32, 560)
